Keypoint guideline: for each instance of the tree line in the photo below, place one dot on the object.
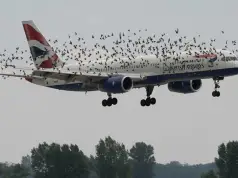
(113, 160)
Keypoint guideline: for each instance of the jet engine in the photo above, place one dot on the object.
(185, 87)
(116, 84)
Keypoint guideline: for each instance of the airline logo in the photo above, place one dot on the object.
(42, 53)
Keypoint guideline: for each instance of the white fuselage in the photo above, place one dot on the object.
(158, 69)
(152, 65)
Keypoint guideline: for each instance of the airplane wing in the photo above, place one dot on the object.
(68, 76)
(13, 74)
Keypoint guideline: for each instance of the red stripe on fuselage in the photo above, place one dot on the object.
(32, 34)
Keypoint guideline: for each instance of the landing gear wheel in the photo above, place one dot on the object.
(114, 101)
(215, 93)
(104, 103)
(109, 102)
(152, 101)
(147, 102)
(143, 102)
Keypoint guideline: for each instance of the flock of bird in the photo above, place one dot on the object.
(123, 45)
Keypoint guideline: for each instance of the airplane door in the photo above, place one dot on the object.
(213, 62)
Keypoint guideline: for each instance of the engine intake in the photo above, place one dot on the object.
(117, 84)
(185, 87)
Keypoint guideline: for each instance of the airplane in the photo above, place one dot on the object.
(182, 73)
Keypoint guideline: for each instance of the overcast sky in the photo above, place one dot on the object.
(187, 128)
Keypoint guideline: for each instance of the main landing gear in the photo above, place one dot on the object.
(110, 101)
(216, 80)
(148, 101)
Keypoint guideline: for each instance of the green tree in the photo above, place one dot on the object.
(18, 171)
(123, 165)
(26, 164)
(143, 160)
(112, 159)
(93, 167)
(227, 161)
(209, 174)
(13, 171)
(55, 161)
(175, 169)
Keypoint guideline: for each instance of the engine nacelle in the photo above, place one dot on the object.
(185, 87)
(117, 84)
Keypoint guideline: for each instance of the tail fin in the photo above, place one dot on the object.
(42, 53)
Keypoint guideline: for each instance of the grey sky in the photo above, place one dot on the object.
(187, 128)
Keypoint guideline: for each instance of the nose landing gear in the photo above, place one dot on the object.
(216, 80)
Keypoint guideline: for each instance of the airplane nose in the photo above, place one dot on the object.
(236, 64)
(236, 61)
